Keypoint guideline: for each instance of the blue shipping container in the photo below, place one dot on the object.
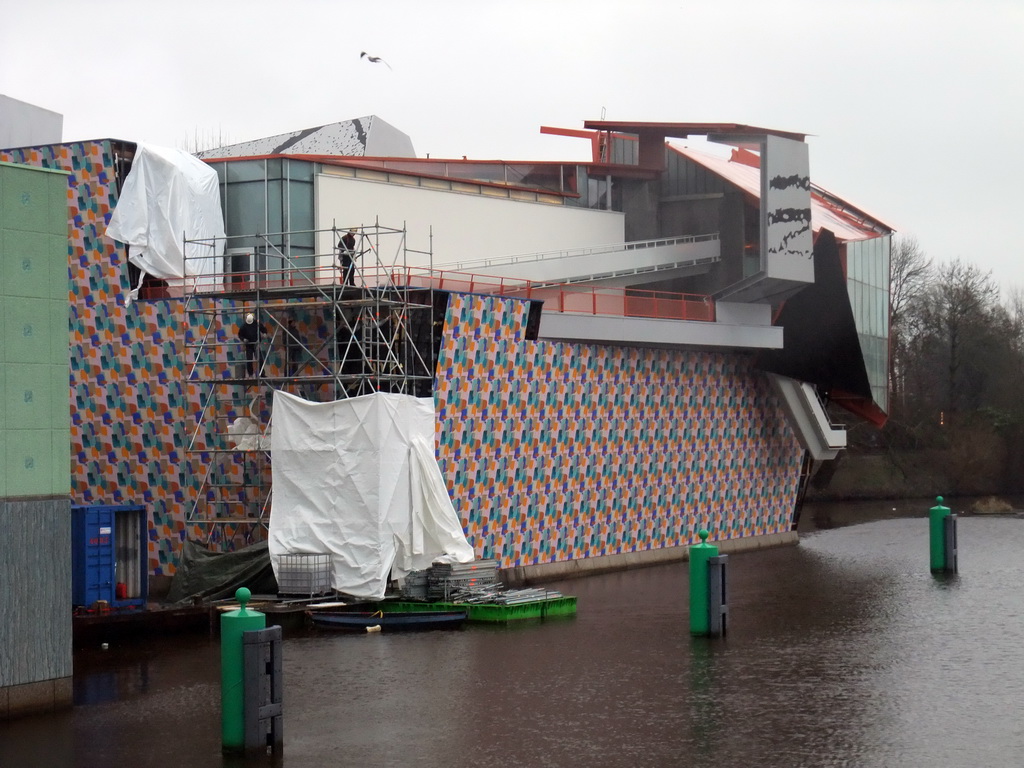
(108, 555)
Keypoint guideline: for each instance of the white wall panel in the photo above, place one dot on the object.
(465, 226)
(786, 239)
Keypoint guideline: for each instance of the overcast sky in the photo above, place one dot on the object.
(915, 107)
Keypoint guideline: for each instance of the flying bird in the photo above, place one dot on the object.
(375, 59)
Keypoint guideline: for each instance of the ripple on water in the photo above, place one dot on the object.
(843, 651)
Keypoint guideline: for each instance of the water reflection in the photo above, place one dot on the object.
(844, 650)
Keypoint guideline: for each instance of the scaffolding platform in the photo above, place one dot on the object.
(261, 319)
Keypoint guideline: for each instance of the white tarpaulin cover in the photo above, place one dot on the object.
(169, 195)
(358, 479)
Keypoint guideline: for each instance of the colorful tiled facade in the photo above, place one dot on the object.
(551, 451)
(128, 414)
(558, 451)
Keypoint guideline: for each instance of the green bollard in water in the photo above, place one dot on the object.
(937, 534)
(232, 670)
(700, 616)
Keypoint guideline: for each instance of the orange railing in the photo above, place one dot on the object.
(561, 297)
(558, 297)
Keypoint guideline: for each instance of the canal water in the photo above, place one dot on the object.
(842, 651)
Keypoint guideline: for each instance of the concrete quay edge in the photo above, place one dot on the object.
(571, 569)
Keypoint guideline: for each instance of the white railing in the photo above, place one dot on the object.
(566, 253)
(828, 430)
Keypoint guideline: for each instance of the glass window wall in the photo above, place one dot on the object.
(867, 269)
(262, 199)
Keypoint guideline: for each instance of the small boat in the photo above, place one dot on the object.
(387, 621)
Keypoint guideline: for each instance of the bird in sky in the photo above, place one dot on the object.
(375, 59)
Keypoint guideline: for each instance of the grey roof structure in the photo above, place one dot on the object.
(362, 137)
(26, 125)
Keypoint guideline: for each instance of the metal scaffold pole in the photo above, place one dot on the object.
(351, 318)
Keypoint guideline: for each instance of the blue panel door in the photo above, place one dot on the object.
(98, 553)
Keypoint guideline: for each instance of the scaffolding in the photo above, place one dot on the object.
(323, 326)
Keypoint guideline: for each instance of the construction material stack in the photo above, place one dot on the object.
(445, 581)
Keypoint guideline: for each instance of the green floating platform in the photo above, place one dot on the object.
(493, 612)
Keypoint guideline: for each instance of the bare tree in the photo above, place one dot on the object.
(910, 272)
(966, 297)
(957, 362)
(203, 140)
(1014, 304)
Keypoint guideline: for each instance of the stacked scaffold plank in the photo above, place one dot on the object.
(446, 579)
(448, 586)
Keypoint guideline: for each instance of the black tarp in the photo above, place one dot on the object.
(206, 575)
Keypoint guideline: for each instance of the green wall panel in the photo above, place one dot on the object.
(35, 421)
(33, 201)
(60, 283)
(29, 396)
(25, 204)
(29, 462)
(28, 330)
(25, 268)
(60, 482)
(59, 348)
(60, 393)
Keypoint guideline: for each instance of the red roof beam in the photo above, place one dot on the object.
(594, 136)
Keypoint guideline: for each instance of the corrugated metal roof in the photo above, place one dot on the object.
(748, 178)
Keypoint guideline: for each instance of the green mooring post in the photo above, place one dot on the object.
(937, 534)
(700, 617)
(232, 670)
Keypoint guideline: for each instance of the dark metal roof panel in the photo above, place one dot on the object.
(682, 130)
